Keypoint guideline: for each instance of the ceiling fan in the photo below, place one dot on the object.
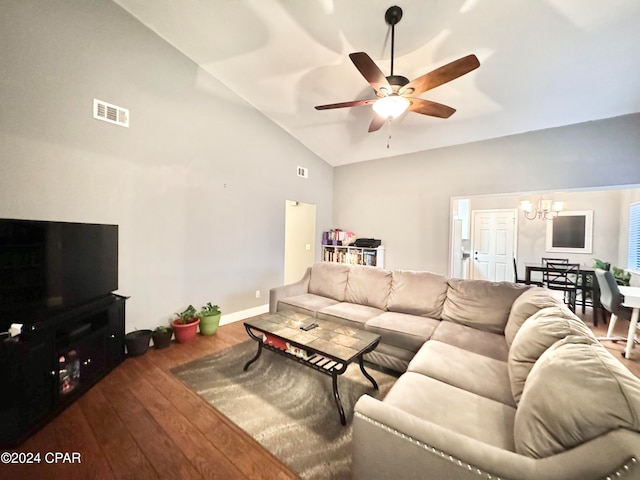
(395, 93)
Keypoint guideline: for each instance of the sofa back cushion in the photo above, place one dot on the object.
(480, 304)
(575, 392)
(369, 286)
(418, 293)
(329, 280)
(535, 336)
(527, 304)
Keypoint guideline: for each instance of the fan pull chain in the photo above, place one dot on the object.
(388, 132)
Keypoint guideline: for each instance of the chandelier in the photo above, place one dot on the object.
(545, 210)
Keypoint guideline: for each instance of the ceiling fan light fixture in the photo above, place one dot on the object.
(391, 106)
(395, 93)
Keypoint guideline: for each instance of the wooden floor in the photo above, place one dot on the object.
(140, 422)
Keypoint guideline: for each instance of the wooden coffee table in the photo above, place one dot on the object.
(328, 348)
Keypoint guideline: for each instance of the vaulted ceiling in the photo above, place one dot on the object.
(544, 63)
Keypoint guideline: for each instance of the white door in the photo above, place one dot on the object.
(493, 241)
(456, 250)
(299, 239)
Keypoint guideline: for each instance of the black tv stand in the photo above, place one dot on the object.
(54, 361)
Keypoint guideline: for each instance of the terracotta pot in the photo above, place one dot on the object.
(185, 333)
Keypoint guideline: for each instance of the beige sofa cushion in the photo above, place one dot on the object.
(575, 392)
(368, 286)
(473, 340)
(402, 330)
(480, 304)
(329, 280)
(470, 371)
(455, 409)
(535, 336)
(307, 303)
(527, 304)
(417, 293)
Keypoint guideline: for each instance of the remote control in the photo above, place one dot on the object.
(311, 326)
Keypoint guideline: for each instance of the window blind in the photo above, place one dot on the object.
(634, 236)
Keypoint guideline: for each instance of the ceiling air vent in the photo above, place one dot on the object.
(110, 113)
(303, 172)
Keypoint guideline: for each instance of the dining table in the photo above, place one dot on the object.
(631, 299)
(588, 284)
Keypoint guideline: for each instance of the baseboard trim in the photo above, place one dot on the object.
(243, 314)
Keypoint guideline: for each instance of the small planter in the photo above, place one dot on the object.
(209, 324)
(162, 338)
(137, 342)
(185, 332)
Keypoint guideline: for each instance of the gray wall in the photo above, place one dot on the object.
(405, 200)
(198, 183)
(610, 209)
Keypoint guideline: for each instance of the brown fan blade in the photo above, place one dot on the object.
(433, 109)
(370, 71)
(354, 103)
(376, 123)
(441, 75)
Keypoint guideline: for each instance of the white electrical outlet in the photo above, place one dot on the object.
(257, 293)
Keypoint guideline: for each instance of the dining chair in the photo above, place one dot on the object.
(545, 260)
(516, 279)
(585, 288)
(611, 299)
(590, 294)
(561, 276)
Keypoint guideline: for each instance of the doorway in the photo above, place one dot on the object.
(299, 239)
(493, 244)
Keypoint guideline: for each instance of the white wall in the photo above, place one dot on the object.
(405, 200)
(198, 183)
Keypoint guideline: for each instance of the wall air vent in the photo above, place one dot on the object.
(110, 113)
(303, 172)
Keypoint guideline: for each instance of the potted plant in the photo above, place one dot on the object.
(622, 277)
(162, 337)
(137, 342)
(209, 319)
(186, 325)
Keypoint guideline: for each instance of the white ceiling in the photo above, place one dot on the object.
(544, 63)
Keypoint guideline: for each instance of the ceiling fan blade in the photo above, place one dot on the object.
(441, 75)
(370, 71)
(376, 123)
(354, 103)
(433, 109)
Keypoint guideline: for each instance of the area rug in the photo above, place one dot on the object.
(287, 407)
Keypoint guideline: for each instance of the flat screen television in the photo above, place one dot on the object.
(50, 267)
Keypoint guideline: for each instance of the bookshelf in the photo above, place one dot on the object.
(354, 255)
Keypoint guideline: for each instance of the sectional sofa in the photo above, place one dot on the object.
(497, 380)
